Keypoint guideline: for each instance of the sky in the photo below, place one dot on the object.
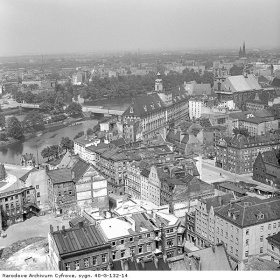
(65, 26)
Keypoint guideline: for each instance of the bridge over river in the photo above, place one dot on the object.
(101, 110)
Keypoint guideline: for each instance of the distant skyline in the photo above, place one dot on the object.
(68, 26)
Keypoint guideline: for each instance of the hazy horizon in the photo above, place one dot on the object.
(32, 27)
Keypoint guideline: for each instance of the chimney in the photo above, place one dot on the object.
(57, 228)
(220, 200)
(81, 224)
(63, 227)
(51, 228)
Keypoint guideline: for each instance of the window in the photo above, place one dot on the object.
(86, 262)
(114, 255)
(113, 243)
(149, 247)
(272, 247)
(122, 241)
(122, 253)
(217, 229)
(236, 252)
(104, 258)
(278, 224)
(247, 231)
(67, 266)
(247, 241)
(231, 238)
(38, 194)
(261, 228)
(140, 249)
(77, 265)
(231, 249)
(16, 196)
(236, 240)
(269, 226)
(148, 235)
(261, 250)
(226, 235)
(169, 243)
(132, 250)
(246, 254)
(70, 192)
(169, 254)
(217, 240)
(222, 232)
(37, 187)
(94, 261)
(261, 238)
(131, 239)
(231, 227)
(274, 225)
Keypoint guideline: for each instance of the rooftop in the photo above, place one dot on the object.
(73, 240)
(60, 175)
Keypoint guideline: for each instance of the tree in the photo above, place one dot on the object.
(46, 153)
(2, 121)
(14, 128)
(241, 131)
(33, 121)
(235, 70)
(66, 143)
(3, 136)
(74, 109)
(90, 131)
(80, 134)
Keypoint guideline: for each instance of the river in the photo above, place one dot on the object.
(13, 153)
(33, 145)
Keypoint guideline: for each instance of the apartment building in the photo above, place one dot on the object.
(237, 154)
(244, 225)
(61, 190)
(79, 248)
(17, 206)
(273, 247)
(141, 234)
(195, 105)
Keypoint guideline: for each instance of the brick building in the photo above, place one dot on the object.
(237, 154)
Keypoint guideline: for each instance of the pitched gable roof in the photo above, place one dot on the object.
(79, 169)
(144, 105)
(60, 175)
(25, 176)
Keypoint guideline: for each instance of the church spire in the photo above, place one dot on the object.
(244, 49)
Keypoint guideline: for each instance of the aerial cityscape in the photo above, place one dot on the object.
(140, 135)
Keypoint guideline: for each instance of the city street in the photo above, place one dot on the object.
(211, 174)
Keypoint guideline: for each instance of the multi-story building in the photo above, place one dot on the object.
(244, 225)
(273, 247)
(195, 105)
(61, 190)
(237, 154)
(204, 220)
(38, 179)
(90, 187)
(141, 234)
(79, 248)
(266, 168)
(18, 205)
(156, 110)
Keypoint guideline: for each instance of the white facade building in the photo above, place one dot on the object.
(195, 108)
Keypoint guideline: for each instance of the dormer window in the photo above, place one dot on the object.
(131, 110)
(260, 216)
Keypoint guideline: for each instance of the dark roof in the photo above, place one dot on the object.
(73, 240)
(205, 123)
(60, 175)
(261, 98)
(270, 157)
(118, 142)
(25, 176)
(260, 264)
(276, 82)
(274, 238)
(79, 169)
(217, 201)
(79, 219)
(250, 211)
(144, 105)
(262, 79)
(263, 113)
(212, 258)
(231, 186)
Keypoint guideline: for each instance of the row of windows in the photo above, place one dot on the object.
(86, 262)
